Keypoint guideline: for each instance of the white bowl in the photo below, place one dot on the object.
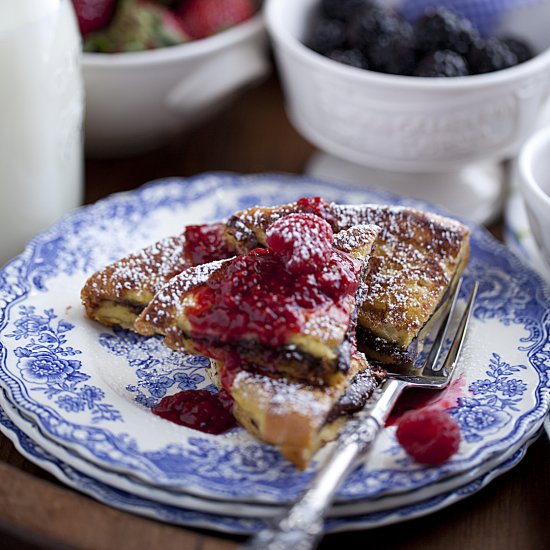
(137, 101)
(533, 169)
(403, 123)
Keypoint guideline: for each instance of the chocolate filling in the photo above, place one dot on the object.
(382, 351)
(133, 307)
(357, 393)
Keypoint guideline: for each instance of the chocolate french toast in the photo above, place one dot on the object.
(417, 258)
(116, 294)
(297, 417)
(289, 308)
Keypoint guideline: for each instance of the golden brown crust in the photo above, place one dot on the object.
(316, 353)
(293, 416)
(129, 284)
(415, 258)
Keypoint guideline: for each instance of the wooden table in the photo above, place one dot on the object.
(253, 135)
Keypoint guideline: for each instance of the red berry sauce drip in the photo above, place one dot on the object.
(429, 436)
(231, 366)
(198, 409)
(317, 206)
(205, 243)
(265, 295)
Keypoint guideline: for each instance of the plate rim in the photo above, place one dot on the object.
(235, 179)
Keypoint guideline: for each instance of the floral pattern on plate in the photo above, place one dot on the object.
(511, 322)
(225, 523)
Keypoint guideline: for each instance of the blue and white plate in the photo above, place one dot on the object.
(233, 508)
(191, 518)
(90, 388)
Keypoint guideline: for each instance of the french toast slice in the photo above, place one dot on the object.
(417, 258)
(116, 294)
(299, 324)
(298, 418)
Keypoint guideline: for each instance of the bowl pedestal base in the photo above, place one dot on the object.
(475, 192)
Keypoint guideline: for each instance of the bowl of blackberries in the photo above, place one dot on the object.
(377, 84)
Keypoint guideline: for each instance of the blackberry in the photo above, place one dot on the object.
(490, 55)
(442, 63)
(328, 35)
(520, 48)
(352, 57)
(442, 29)
(385, 39)
(344, 9)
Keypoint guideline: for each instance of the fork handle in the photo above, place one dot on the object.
(301, 527)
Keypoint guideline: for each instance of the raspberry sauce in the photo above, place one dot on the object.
(198, 409)
(205, 243)
(317, 206)
(257, 297)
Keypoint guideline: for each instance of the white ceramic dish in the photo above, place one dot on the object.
(518, 235)
(88, 388)
(136, 101)
(533, 173)
(398, 122)
(391, 126)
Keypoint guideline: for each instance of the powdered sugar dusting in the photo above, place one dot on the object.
(281, 397)
(356, 237)
(170, 301)
(413, 261)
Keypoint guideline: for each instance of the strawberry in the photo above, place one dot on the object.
(202, 18)
(93, 15)
(138, 25)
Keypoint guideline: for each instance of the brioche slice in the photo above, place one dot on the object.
(116, 294)
(417, 257)
(297, 418)
(298, 323)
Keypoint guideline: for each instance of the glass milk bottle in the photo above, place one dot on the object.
(41, 112)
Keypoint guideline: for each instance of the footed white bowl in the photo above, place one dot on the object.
(404, 124)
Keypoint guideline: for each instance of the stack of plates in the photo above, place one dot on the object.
(76, 395)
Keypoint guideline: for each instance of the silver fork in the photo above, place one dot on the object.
(301, 526)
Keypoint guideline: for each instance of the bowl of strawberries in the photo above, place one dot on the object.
(155, 68)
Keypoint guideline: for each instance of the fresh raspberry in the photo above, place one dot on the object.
(302, 241)
(205, 243)
(317, 206)
(429, 436)
(93, 15)
(202, 18)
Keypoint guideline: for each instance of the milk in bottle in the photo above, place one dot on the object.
(41, 110)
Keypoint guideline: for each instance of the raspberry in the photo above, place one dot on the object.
(301, 241)
(198, 409)
(317, 206)
(428, 436)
